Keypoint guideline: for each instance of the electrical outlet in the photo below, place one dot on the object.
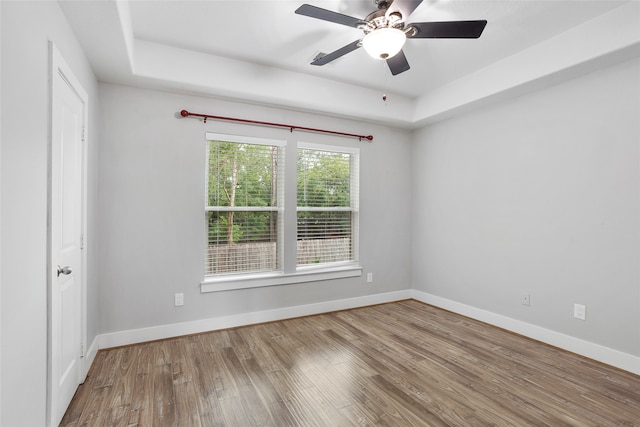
(525, 298)
(178, 299)
(369, 277)
(579, 311)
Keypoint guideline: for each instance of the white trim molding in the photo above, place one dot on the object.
(115, 339)
(89, 356)
(245, 281)
(588, 349)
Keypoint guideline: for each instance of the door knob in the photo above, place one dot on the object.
(64, 270)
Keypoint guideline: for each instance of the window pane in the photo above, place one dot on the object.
(241, 242)
(324, 179)
(242, 174)
(326, 212)
(324, 237)
(242, 207)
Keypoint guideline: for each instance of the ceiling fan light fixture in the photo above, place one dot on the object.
(384, 43)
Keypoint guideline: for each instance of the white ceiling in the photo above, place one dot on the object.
(260, 51)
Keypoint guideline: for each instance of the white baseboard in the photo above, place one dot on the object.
(588, 349)
(134, 336)
(89, 356)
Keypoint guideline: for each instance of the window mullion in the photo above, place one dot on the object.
(290, 217)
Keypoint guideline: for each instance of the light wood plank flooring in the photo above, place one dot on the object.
(397, 364)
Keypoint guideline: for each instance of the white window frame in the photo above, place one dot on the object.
(287, 236)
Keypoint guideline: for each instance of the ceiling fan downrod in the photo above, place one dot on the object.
(382, 4)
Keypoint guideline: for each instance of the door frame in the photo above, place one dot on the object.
(59, 67)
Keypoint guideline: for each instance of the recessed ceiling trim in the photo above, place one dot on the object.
(234, 79)
(609, 38)
(106, 33)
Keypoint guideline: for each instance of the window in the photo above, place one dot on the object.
(261, 232)
(244, 199)
(327, 206)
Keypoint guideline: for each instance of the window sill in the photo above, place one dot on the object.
(306, 274)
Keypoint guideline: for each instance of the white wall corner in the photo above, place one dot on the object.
(126, 26)
(588, 349)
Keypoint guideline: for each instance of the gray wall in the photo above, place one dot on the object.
(26, 29)
(540, 194)
(151, 185)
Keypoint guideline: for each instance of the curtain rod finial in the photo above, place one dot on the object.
(184, 113)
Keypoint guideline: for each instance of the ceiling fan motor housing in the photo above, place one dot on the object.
(379, 19)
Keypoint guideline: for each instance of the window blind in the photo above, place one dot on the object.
(243, 205)
(327, 206)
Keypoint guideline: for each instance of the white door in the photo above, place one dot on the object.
(68, 116)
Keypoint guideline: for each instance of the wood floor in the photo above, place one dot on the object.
(397, 364)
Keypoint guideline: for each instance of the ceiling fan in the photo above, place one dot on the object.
(385, 31)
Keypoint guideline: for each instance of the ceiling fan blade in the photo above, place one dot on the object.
(405, 7)
(448, 30)
(337, 53)
(327, 15)
(398, 63)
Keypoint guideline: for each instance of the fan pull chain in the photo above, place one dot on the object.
(385, 86)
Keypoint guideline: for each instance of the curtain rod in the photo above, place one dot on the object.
(185, 113)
